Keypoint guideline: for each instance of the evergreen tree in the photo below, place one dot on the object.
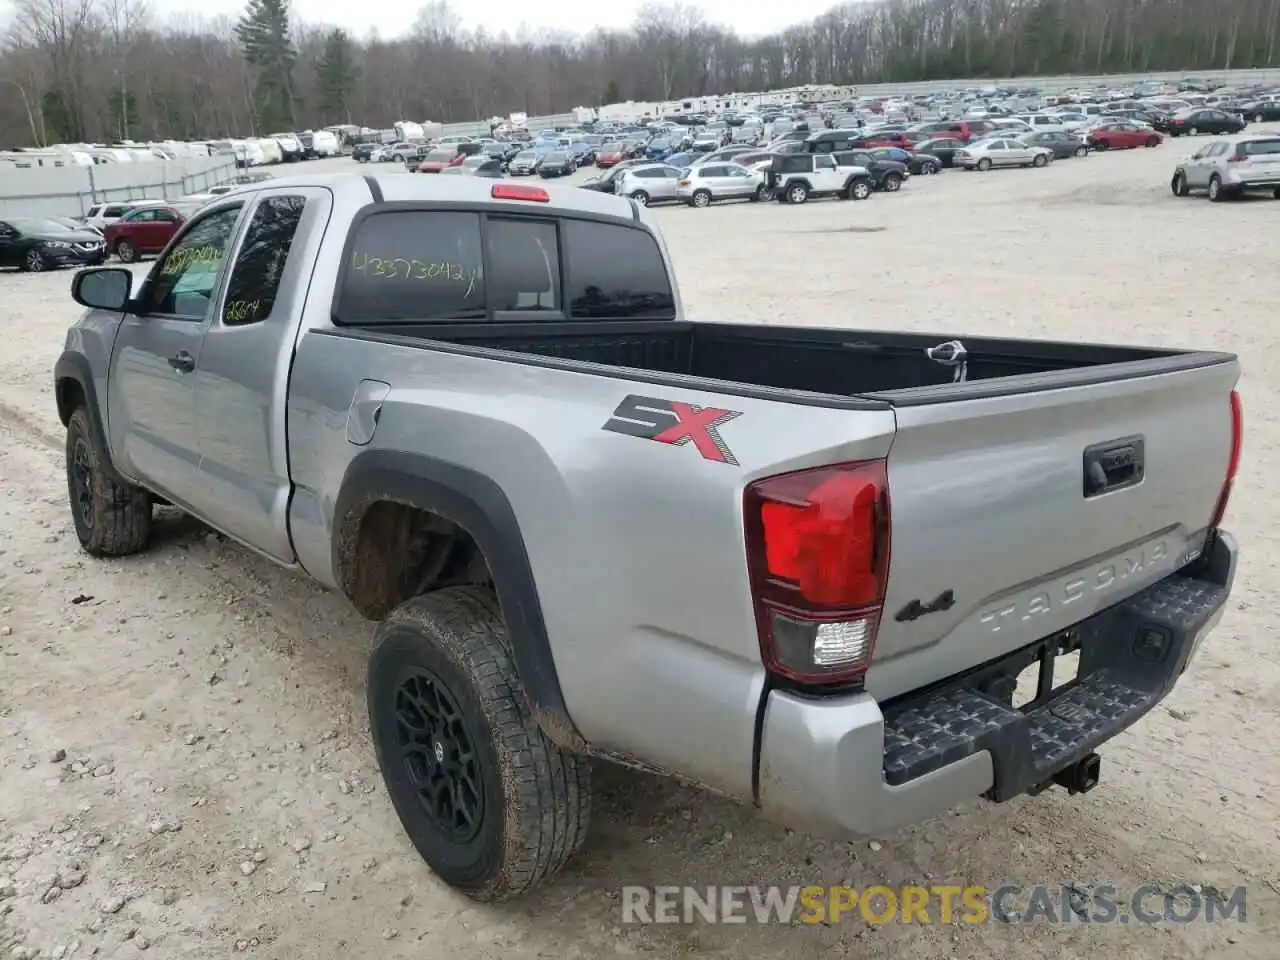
(337, 76)
(263, 34)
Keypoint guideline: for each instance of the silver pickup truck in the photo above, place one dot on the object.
(802, 566)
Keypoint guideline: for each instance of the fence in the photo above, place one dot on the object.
(70, 191)
(1045, 84)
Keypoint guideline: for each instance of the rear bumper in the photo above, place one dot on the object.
(849, 767)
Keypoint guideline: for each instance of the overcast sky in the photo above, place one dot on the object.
(748, 17)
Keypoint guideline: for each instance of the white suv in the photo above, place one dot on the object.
(1231, 166)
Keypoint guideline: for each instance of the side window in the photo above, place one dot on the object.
(141, 216)
(616, 273)
(524, 265)
(182, 284)
(255, 276)
(824, 162)
(824, 146)
(407, 266)
(164, 216)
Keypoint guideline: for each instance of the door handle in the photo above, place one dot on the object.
(183, 362)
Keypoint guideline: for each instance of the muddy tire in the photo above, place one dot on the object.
(491, 804)
(112, 519)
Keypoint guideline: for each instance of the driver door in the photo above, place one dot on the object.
(151, 396)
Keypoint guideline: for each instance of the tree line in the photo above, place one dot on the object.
(95, 70)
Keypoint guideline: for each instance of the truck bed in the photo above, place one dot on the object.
(827, 362)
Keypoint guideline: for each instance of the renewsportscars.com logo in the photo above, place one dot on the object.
(938, 903)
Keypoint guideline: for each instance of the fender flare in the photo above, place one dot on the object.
(477, 504)
(72, 370)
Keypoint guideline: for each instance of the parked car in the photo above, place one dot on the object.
(479, 166)
(1259, 111)
(508, 517)
(916, 163)
(405, 152)
(524, 163)
(1062, 144)
(942, 148)
(705, 183)
(796, 177)
(101, 214)
(362, 150)
(437, 159)
(1227, 168)
(648, 183)
(1123, 135)
(557, 163)
(610, 154)
(143, 230)
(40, 243)
(1195, 121)
(1002, 152)
(886, 175)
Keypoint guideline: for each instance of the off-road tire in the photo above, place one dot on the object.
(535, 797)
(111, 518)
(796, 193)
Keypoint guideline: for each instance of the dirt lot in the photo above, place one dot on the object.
(184, 764)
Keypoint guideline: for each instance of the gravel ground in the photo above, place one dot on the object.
(184, 764)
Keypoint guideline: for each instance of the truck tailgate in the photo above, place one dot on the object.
(998, 539)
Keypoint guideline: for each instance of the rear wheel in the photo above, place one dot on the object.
(491, 804)
(762, 193)
(126, 251)
(928, 169)
(1193, 131)
(701, 198)
(1257, 118)
(1216, 193)
(1153, 141)
(984, 164)
(892, 182)
(1082, 151)
(797, 193)
(641, 198)
(1102, 145)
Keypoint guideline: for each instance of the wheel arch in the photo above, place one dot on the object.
(479, 508)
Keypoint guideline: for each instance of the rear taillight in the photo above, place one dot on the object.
(818, 556)
(1233, 463)
(964, 153)
(1238, 156)
(683, 183)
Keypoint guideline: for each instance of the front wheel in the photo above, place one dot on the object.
(491, 804)
(1153, 141)
(762, 193)
(1082, 151)
(928, 169)
(1179, 185)
(701, 198)
(34, 262)
(1257, 118)
(1194, 131)
(984, 164)
(111, 519)
(1040, 161)
(859, 190)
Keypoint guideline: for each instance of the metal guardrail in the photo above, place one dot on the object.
(1044, 84)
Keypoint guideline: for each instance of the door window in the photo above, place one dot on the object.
(255, 277)
(824, 162)
(182, 284)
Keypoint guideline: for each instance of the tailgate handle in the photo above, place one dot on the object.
(1113, 466)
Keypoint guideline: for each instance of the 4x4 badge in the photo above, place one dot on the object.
(676, 423)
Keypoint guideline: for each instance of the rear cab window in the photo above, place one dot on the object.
(415, 266)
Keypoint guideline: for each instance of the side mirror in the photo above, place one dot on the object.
(102, 288)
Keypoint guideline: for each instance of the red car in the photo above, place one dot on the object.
(1123, 135)
(437, 160)
(610, 155)
(144, 230)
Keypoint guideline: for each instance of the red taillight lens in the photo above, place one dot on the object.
(1233, 463)
(818, 555)
(1237, 157)
(683, 183)
(518, 191)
